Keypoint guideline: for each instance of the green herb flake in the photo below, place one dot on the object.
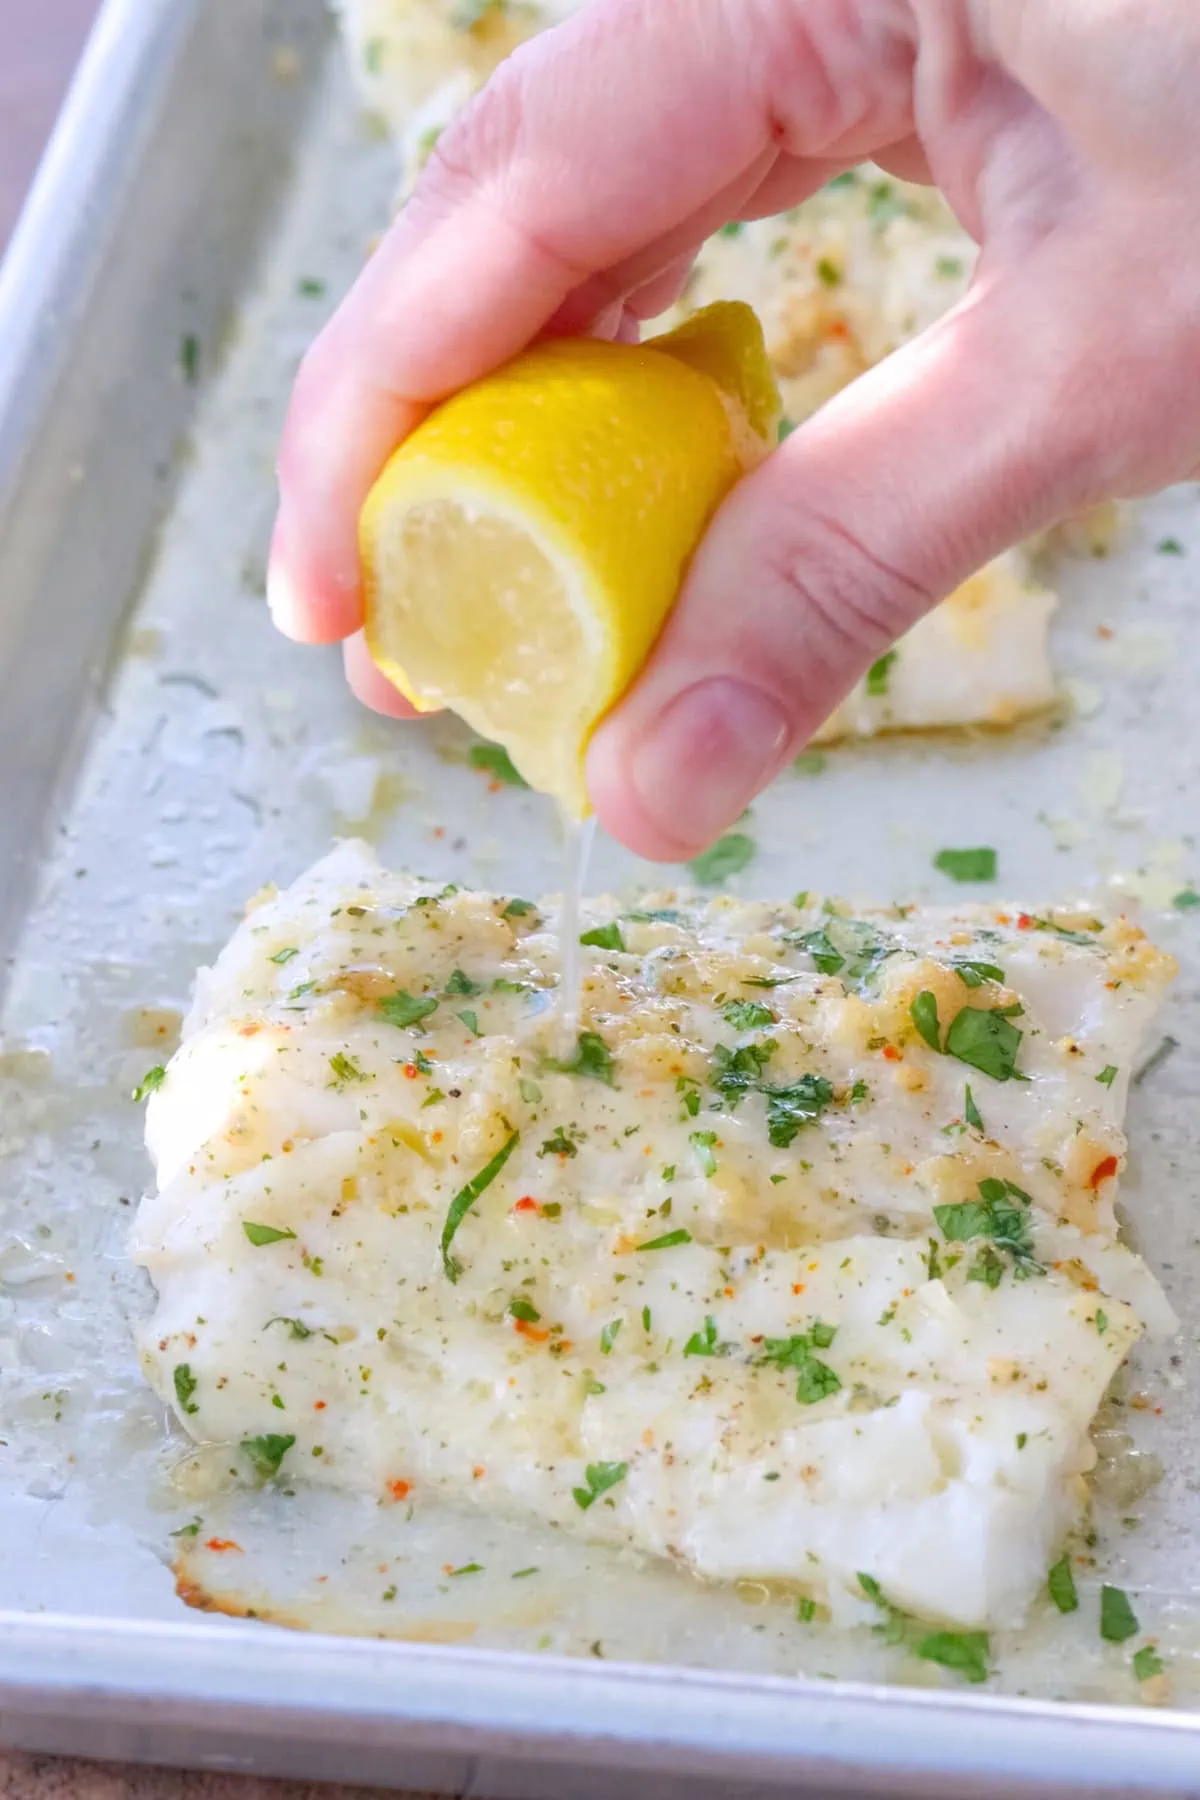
(524, 1574)
(185, 1388)
(706, 1343)
(948, 268)
(815, 1380)
(592, 1059)
(403, 1009)
(518, 909)
(702, 1143)
(987, 1041)
(747, 1015)
(1107, 1075)
(609, 1336)
(150, 1083)
(310, 287)
(471, 1021)
(646, 1319)
(296, 1327)
(604, 937)
(668, 1242)
(828, 273)
(966, 1652)
(460, 983)
(285, 956)
(1146, 1663)
(471, 1568)
(1186, 899)
(559, 1145)
(810, 762)
(1170, 546)
(971, 1111)
(189, 358)
(1100, 1321)
(967, 865)
(734, 228)
(523, 1310)
(806, 1609)
(433, 1098)
(1118, 1620)
(265, 1234)
(1061, 1585)
(496, 762)
(265, 1453)
(786, 428)
(192, 1529)
(879, 674)
(345, 1069)
(973, 974)
(600, 1477)
(924, 1014)
(465, 1199)
(728, 856)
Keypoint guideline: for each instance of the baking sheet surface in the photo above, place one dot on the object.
(228, 758)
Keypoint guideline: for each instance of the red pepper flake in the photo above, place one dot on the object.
(411, 1071)
(838, 329)
(493, 787)
(318, 1405)
(1103, 1171)
(219, 1545)
(249, 1030)
(478, 1471)
(1024, 921)
(439, 831)
(797, 1287)
(399, 1490)
(436, 1136)
(532, 1332)
(891, 1054)
(526, 1203)
(1104, 631)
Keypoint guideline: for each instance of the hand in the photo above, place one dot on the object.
(574, 193)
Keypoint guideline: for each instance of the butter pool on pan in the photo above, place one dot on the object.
(800, 1262)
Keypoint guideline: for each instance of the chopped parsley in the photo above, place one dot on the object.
(658, 915)
(828, 273)
(1186, 899)
(465, 1199)
(600, 1477)
(728, 856)
(815, 1380)
(185, 1388)
(592, 1059)
(518, 909)
(992, 1216)
(494, 758)
(345, 1069)
(404, 1009)
(189, 358)
(296, 1327)
(948, 268)
(1146, 1663)
(459, 983)
(810, 762)
(1118, 1620)
(768, 981)
(667, 1242)
(310, 287)
(924, 1014)
(827, 958)
(150, 1083)
(967, 865)
(747, 1015)
(604, 937)
(966, 1652)
(738, 1072)
(524, 1310)
(973, 974)
(285, 956)
(471, 1021)
(971, 1111)
(265, 1454)
(705, 1343)
(806, 1609)
(265, 1234)
(609, 1336)
(1169, 546)
(471, 1568)
(702, 1143)
(559, 1145)
(733, 229)
(790, 1108)
(987, 1041)
(878, 675)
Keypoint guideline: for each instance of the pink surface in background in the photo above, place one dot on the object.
(40, 41)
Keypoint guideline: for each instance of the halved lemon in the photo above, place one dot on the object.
(522, 549)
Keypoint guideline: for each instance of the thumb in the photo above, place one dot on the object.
(966, 440)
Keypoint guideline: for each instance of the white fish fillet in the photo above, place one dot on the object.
(706, 1307)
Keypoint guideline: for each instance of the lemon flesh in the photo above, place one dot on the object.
(523, 548)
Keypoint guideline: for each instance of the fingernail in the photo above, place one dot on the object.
(281, 596)
(707, 756)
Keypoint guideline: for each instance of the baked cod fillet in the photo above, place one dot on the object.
(798, 1260)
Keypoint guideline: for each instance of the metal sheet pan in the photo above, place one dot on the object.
(162, 754)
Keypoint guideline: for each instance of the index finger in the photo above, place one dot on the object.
(592, 158)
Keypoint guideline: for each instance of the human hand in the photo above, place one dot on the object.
(572, 195)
